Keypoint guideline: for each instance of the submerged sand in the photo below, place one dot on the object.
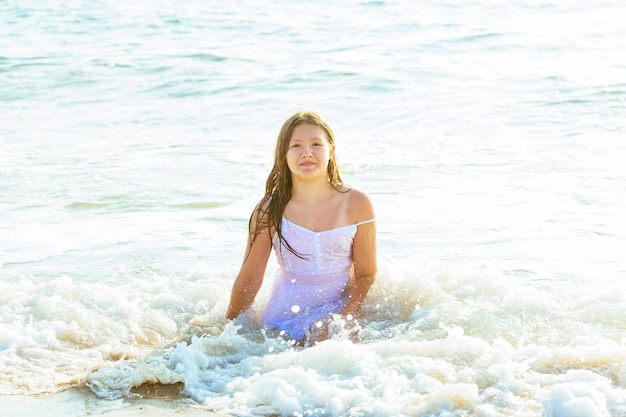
(152, 400)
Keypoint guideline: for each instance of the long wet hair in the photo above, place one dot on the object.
(268, 214)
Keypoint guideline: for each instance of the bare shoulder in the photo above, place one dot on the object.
(259, 218)
(263, 205)
(360, 206)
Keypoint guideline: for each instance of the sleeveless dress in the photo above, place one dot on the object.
(310, 288)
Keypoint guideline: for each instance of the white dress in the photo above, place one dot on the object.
(310, 288)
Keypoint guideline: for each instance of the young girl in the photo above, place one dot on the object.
(322, 231)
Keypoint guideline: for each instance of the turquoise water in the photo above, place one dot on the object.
(135, 140)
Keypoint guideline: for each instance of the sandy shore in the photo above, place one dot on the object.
(155, 401)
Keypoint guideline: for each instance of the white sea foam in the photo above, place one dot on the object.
(414, 355)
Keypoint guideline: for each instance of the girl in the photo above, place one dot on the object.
(322, 231)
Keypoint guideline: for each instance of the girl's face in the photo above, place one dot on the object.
(308, 153)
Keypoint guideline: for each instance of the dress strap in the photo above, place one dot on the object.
(365, 221)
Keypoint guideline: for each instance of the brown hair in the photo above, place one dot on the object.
(269, 212)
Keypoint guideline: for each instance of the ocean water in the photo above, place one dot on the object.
(135, 138)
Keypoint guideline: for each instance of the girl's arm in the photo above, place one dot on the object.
(363, 256)
(250, 277)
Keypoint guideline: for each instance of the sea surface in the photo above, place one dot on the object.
(135, 139)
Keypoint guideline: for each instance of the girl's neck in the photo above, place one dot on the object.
(311, 191)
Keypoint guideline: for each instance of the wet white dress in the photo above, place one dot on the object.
(310, 288)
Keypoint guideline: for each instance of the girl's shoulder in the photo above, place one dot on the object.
(259, 218)
(359, 205)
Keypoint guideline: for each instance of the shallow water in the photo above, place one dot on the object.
(135, 140)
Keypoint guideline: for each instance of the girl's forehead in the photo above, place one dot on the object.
(307, 131)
